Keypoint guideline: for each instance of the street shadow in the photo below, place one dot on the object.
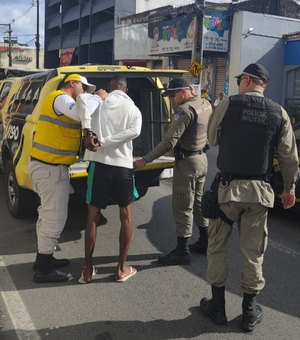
(161, 233)
(23, 231)
(22, 274)
(192, 326)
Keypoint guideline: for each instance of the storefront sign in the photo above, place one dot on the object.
(216, 27)
(23, 58)
(172, 35)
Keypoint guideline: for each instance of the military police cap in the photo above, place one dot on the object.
(175, 85)
(256, 71)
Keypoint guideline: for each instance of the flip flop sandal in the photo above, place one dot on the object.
(132, 272)
(82, 280)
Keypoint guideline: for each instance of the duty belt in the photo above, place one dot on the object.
(181, 154)
(188, 153)
(226, 177)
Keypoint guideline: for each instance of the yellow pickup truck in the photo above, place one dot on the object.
(20, 102)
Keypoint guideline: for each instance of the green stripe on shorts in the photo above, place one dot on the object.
(90, 183)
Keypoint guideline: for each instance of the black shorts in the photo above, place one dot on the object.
(109, 184)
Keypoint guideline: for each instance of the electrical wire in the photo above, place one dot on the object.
(22, 15)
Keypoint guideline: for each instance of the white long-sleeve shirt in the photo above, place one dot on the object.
(116, 121)
(64, 104)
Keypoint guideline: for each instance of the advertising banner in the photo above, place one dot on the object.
(66, 55)
(216, 27)
(176, 33)
(172, 35)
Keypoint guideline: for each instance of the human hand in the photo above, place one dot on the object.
(139, 163)
(91, 141)
(101, 93)
(288, 200)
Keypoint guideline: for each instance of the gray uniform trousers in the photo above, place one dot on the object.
(252, 226)
(188, 183)
(51, 183)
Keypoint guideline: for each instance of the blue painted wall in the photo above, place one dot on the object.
(292, 53)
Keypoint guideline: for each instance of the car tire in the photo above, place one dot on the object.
(20, 202)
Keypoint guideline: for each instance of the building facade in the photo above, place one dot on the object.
(292, 75)
(23, 57)
(262, 38)
(80, 32)
(165, 38)
(135, 32)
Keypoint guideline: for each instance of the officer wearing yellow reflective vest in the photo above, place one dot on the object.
(55, 146)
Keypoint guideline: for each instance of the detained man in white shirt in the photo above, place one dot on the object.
(111, 121)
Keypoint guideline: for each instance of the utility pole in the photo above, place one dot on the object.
(37, 42)
(9, 44)
(197, 53)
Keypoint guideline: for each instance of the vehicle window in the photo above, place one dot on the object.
(155, 119)
(27, 97)
(3, 94)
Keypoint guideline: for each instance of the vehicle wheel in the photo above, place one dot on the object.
(20, 202)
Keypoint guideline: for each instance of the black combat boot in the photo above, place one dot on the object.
(57, 263)
(45, 271)
(252, 313)
(201, 245)
(215, 307)
(179, 256)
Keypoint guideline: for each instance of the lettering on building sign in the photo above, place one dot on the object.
(22, 58)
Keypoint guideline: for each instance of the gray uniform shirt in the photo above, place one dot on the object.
(258, 191)
(176, 130)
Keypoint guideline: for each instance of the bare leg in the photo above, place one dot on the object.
(124, 239)
(90, 240)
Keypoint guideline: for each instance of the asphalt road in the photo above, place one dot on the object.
(157, 303)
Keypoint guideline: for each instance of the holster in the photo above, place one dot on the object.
(178, 153)
(210, 205)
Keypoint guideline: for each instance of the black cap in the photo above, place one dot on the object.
(256, 71)
(175, 85)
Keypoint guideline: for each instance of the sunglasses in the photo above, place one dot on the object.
(239, 79)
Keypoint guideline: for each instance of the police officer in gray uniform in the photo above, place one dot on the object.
(248, 129)
(187, 137)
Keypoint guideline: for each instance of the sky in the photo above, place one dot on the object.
(22, 14)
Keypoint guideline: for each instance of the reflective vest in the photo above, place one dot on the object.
(194, 137)
(249, 135)
(57, 137)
